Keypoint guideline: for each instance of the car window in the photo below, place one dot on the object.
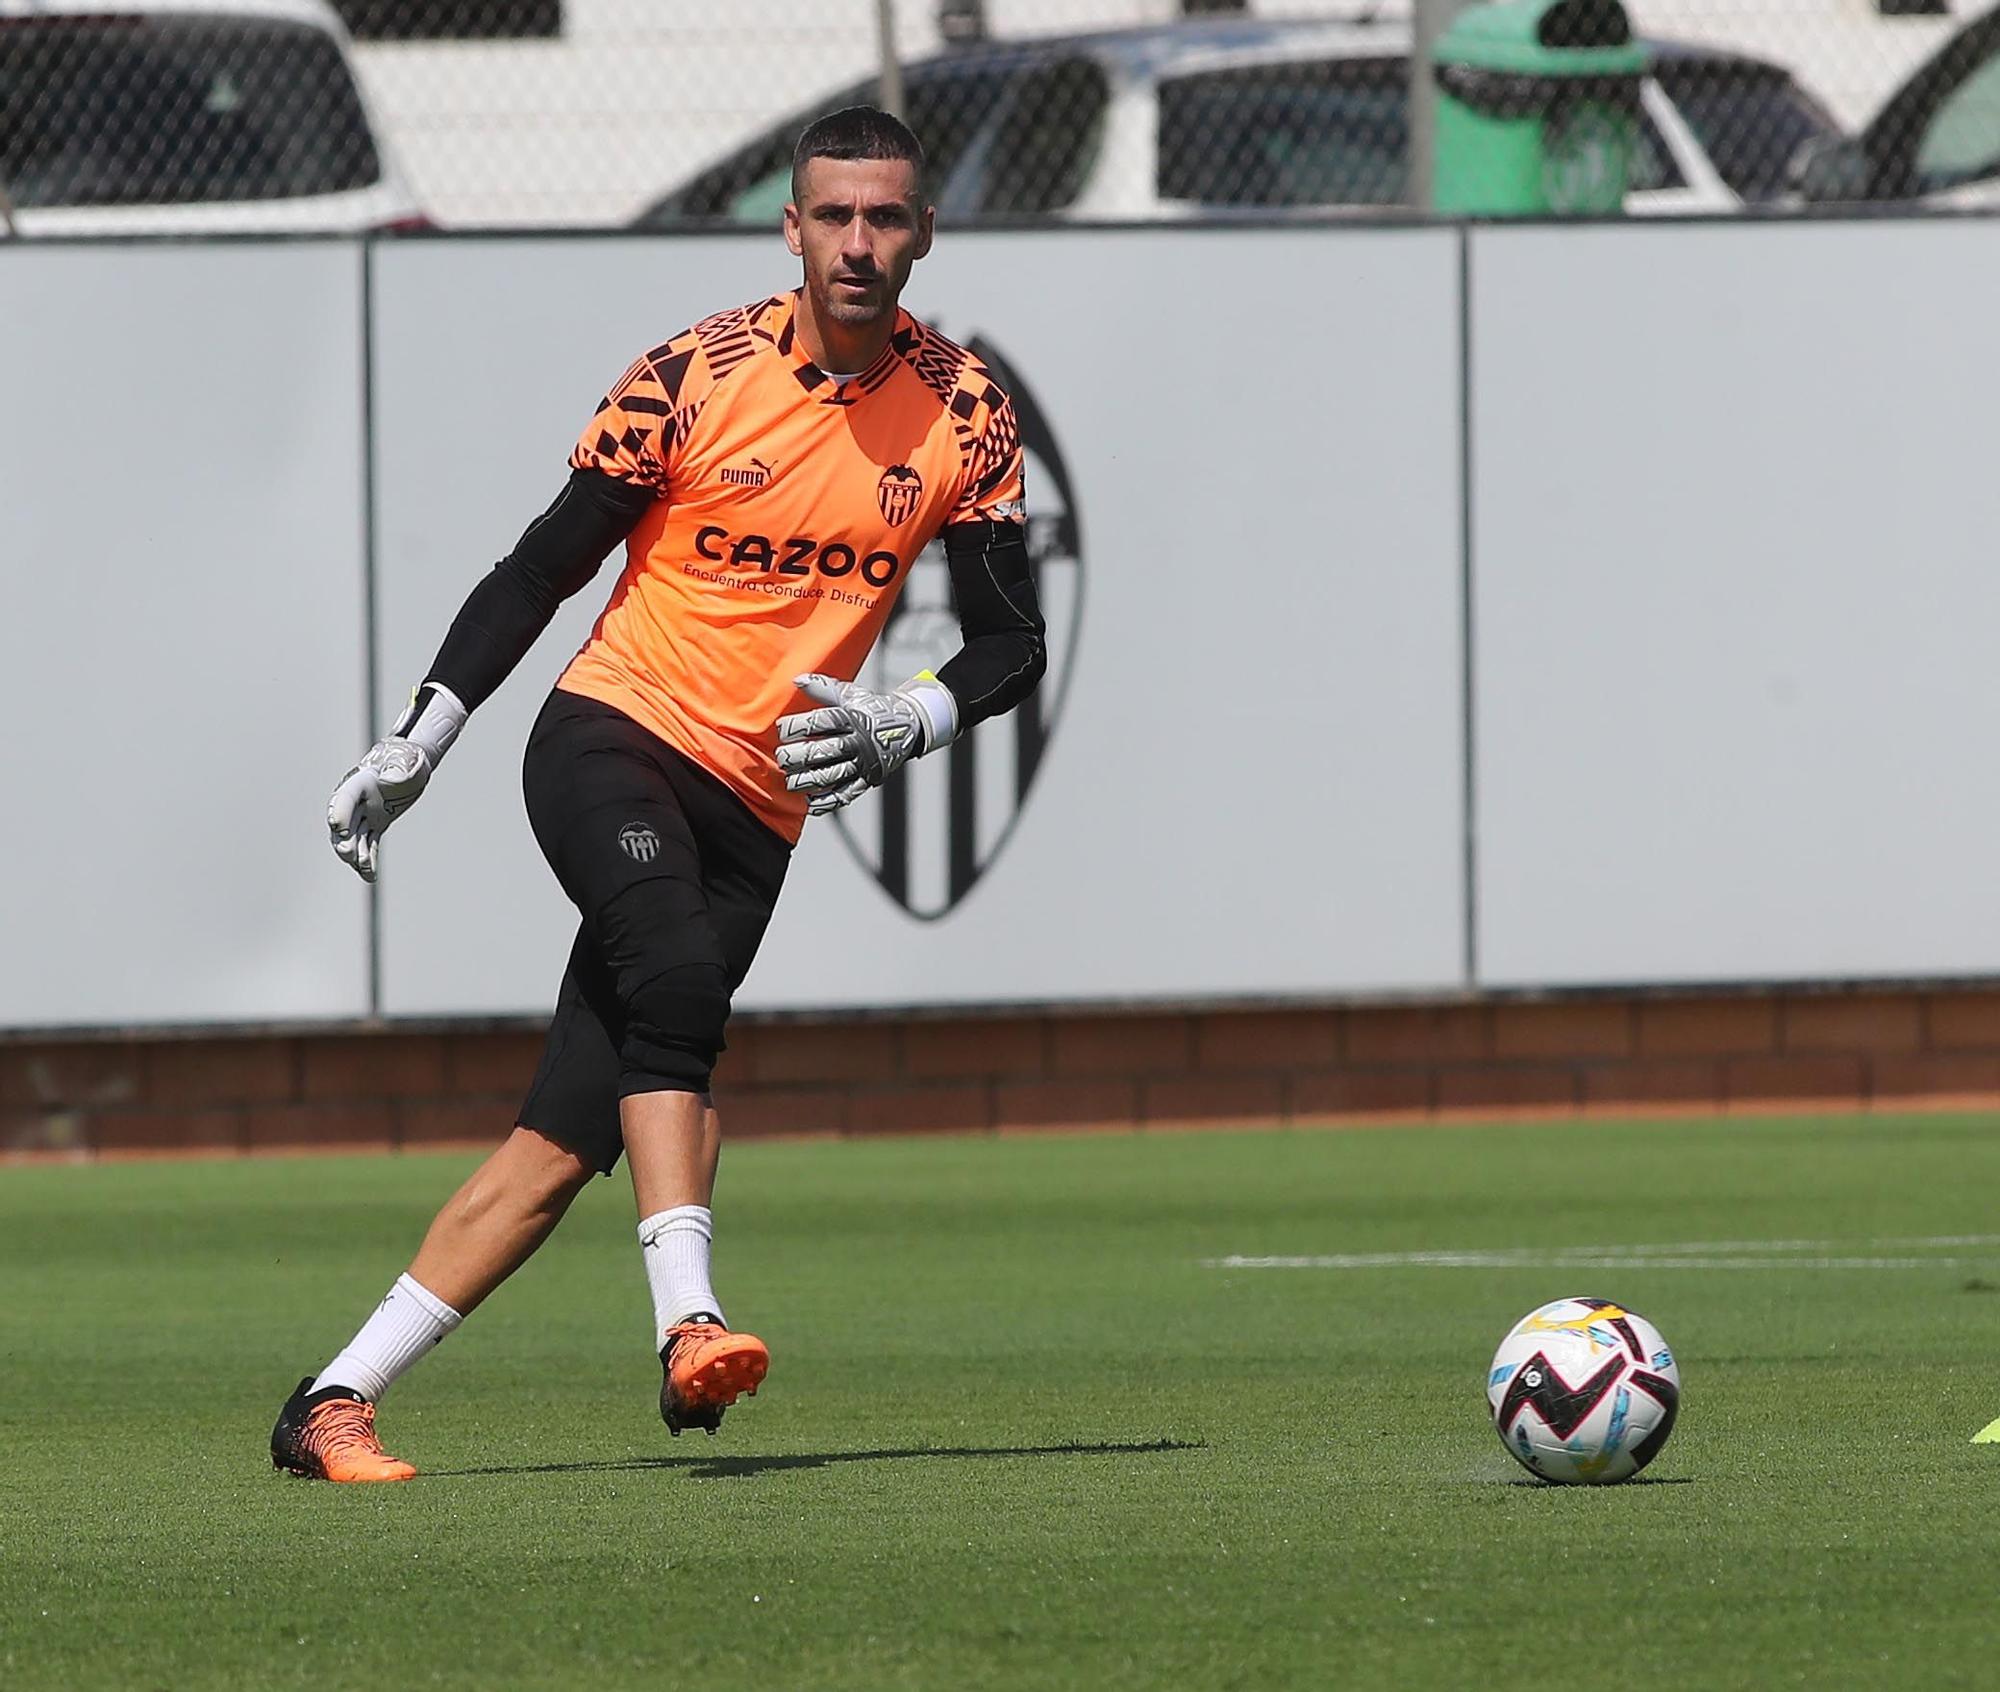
(753, 184)
(134, 110)
(1750, 119)
(1329, 132)
(1044, 146)
(765, 199)
(1652, 166)
(1962, 141)
(948, 112)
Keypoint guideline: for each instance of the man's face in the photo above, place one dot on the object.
(859, 224)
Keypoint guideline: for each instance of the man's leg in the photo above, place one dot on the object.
(486, 1230)
(672, 1141)
(672, 1134)
(568, 1132)
(630, 828)
(494, 1223)
(663, 996)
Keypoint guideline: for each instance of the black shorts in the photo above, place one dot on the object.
(675, 878)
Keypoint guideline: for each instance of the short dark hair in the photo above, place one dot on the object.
(857, 132)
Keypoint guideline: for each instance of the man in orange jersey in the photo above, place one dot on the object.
(774, 473)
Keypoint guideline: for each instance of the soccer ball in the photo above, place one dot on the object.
(1582, 1390)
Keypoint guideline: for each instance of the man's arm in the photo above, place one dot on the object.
(556, 556)
(859, 738)
(501, 619)
(1006, 648)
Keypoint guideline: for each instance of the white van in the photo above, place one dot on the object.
(187, 117)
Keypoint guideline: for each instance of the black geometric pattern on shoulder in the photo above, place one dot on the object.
(994, 452)
(978, 390)
(671, 364)
(639, 446)
(762, 315)
(683, 425)
(726, 340)
(641, 394)
(936, 360)
(638, 373)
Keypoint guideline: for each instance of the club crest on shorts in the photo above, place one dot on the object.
(939, 824)
(899, 493)
(639, 842)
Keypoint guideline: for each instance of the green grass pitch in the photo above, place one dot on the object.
(1019, 1433)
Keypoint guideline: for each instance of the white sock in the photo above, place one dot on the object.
(675, 1246)
(405, 1325)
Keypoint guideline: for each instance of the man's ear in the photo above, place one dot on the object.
(793, 239)
(926, 228)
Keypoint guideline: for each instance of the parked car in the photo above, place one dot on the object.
(1936, 138)
(1746, 120)
(1245, 116)
(186, 117)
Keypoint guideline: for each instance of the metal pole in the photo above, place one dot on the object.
(890, 97)
(1429, 20)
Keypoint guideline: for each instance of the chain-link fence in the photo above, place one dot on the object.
(146, 114)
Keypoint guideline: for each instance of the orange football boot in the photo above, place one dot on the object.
(330, 1435)
(704, 1369)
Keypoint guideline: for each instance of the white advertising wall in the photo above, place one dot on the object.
(182, 639)
(1734, 530)
(1729, 530)
(1251, 442)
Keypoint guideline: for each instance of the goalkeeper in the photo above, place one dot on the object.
(773, 473)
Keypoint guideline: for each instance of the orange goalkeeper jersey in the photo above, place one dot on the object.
(790, 511)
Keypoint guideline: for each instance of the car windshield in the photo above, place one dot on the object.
(132, 111)
(1962, 141)
(1331, 132)
(753, 184)
(1750, 119)
(1044, 146)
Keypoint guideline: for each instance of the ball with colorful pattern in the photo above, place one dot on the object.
(1583, 1392)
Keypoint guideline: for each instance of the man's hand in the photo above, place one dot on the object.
(391, 776)
(858, 739)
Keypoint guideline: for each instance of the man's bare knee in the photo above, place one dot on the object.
(529, 1176)
(548, 1173)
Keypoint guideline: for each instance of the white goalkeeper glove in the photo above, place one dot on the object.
(391, 776)
(857, 740)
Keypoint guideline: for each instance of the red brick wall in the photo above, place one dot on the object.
(1609, 1056)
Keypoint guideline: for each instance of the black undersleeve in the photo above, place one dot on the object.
(993, 588)
(557, 554)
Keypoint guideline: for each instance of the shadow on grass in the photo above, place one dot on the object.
(723, 1468)
(1616, 1486)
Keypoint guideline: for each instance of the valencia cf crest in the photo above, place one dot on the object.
(899, 493)
(941, 822)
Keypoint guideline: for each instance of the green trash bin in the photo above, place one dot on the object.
(1537, 106)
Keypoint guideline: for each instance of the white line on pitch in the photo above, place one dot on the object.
(1689, 1254)
(1478, 1260)
(1697, 1248)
